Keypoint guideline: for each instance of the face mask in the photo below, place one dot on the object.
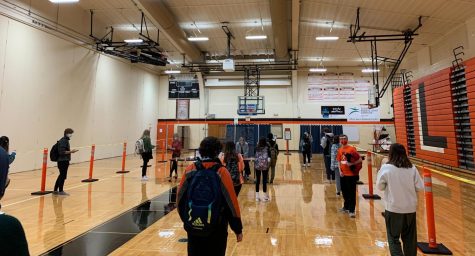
(69, 135)
(344, 142)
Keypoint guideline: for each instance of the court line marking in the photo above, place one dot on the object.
(69, 188)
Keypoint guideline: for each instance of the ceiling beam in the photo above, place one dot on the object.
(295, 24)
(280, 23)
(161, 15)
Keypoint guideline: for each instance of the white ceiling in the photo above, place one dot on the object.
(205, 17)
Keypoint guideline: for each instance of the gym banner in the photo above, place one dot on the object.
(362, 113)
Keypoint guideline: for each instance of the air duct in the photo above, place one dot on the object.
(280, 28)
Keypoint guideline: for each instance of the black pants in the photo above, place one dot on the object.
(329, 171)
(63, 174)
(144, 166)
(265, 174)
(401, 225)
(247, 169)
(146, 156)
(237, 189)
(273, 163)
(348, 187)
(214, 245)
(306, 156)
(173, 167)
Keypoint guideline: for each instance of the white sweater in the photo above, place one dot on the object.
(400, 187)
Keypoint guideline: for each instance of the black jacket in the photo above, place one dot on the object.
(63, 146)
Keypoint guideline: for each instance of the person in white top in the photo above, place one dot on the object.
(400, 181)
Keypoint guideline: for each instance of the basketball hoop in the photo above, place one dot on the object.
(250, 105)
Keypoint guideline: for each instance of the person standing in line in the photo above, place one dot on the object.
(4, 180)
(349, 159)
(207, 203)
(326, 143)
(261, 166)
(306, 148)
(400, 181)
(64, 157)
(147, 152)
(334, 163)
(12, 236)
(274, 153)
(243, 148)
(234, 162)
(176, 153)
(4, 166)
(5, 144)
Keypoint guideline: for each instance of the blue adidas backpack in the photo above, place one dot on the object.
(201, 207)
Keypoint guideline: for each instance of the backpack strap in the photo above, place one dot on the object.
(199, 164)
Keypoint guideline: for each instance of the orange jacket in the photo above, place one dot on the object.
(234, 216)
(345, 169)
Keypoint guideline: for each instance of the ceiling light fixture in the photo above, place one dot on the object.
(172, 71)
(133, 41)
(327, 38)
(202, 38)
(256, 37)
(369, 70)
(321, 70)
(64, 1)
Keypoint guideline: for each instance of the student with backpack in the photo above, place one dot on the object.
(234, 163)
(400, 181)
(207, 203)
(176, 153)
(350, 165)
(145, 152)
(261, 166)
(274, 153)
(334, 165)
(61, 153)
(306, 148)
(326, 143)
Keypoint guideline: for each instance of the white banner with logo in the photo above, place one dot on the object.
(362, 113)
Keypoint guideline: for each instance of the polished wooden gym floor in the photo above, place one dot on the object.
(300, 219)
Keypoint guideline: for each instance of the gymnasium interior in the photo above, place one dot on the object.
(380, 72)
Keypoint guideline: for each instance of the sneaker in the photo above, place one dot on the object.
(338, 193)
(266, 198)
(176, 177)
(343, 209)
(55, 192)
(352, 215)
(62, 193)
(144, 178)
(304, 165)
(257, 197)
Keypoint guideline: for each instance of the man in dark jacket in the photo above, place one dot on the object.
(326, 143)
(63, 161)
(274, 152)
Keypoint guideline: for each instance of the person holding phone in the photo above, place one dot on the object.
(63, 161)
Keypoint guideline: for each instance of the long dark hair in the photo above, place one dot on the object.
(262, 143)
(336, 139)
(398, 156)
(5, 143)
(230, 151)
